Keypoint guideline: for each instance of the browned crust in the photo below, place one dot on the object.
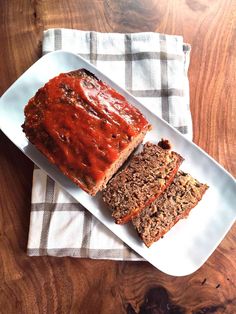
(164, 143)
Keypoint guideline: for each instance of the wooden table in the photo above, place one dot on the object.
(67, 285)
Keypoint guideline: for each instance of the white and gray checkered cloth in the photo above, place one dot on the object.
(153, 67)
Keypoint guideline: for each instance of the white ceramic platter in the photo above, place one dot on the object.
(191, 241)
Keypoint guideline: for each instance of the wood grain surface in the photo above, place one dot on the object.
(67, 285)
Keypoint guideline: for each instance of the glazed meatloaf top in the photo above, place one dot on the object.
(175, 203)
(141, 182)
(83, 126)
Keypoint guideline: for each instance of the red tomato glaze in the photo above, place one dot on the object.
(86, 122)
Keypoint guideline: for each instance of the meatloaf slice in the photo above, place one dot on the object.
(141, 182)
(84, 127)
(174, 204)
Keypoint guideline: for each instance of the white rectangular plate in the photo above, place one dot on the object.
(188, 245)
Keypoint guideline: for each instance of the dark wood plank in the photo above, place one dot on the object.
(66, 285)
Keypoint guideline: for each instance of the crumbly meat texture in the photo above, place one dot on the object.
(147, 175)
(84, 127)
(174, 204)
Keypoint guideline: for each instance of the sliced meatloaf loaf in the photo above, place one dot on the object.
(175, 203)
(84, 127)
(141, 182)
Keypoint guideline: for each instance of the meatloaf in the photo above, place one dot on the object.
(141, 182)
(84, 127)
(175, 203)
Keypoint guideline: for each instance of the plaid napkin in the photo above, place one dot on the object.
(153, 67)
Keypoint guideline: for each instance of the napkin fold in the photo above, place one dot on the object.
(151, 66)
